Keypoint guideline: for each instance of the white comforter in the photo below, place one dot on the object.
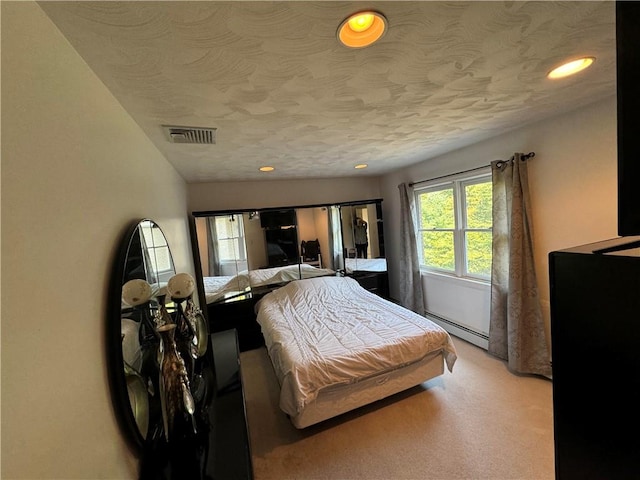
(365, 264)
(269, 276)
(216, 288)
(328, 331)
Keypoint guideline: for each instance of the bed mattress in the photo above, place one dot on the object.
(365, 265)
(219, 288)
(270, 276)
(325, 333)
(216, 288)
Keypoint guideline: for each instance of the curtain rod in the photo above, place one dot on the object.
(526, 156)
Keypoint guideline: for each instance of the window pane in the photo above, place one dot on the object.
(436, 209)
(437, 250)
(226, 227)
(161, 259)
(235, 223)
(158, 237)
(227, 249)
(478, 253)
(478, 202)
(145, 228)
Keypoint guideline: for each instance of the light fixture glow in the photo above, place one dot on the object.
(362, 29)
(267, 169)
(361, 165)
(362, 22)
(570, 68)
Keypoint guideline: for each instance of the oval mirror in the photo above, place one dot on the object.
(143, 266)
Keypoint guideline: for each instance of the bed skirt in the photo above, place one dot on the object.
(340, 399)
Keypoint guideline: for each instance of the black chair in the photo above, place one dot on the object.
(310, 250)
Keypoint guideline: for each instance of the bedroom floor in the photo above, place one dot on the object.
(479, 422)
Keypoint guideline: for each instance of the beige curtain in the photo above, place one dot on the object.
(212, 248)
(410, 283)
(336, 261)
(516, 329)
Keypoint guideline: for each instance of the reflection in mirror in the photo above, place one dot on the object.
(223, 255)
(143, 266)
(297, 245)
(335, 248)
(363, 237)
(250, 251)
(145, 289)
(149, 257)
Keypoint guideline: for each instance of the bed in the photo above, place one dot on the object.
(335, 347)
(365, 265)
(224, 287)
(271, 276)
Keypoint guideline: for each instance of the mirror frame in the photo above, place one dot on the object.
(375, 201)
(113, 335)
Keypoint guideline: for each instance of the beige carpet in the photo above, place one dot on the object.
(479, 422)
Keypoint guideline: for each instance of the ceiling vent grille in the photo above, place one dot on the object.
(203, 136)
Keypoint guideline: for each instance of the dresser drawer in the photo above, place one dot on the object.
(375, 282)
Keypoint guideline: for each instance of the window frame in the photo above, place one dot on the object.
(238, 242)
(457, 183)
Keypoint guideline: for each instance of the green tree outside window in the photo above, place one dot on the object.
(455, 221)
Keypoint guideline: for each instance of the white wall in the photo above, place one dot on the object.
(573, 181)
(75, 171)
(280, 193)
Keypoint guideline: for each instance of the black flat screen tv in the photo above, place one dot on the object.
(628, 101)
(277, 218)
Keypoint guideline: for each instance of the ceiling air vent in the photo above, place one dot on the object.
(204, 136)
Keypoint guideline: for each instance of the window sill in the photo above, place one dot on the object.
(453, 279)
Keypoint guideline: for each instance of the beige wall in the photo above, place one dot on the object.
(75, 171)
(255, 243)
(280, 193)
(572, 179)
(306, 224)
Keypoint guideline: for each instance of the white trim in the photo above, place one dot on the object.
(460, 333)
(458, 281)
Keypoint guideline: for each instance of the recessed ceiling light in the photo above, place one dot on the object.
(362, 29)
(267, 169)
(361, 165)
(570, 68)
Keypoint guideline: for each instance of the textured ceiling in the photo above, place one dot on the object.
(281, 91)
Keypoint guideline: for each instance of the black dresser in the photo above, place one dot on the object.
(375, 282)
(239, 314)
(231, 457)
(595, 330)
(221, 448)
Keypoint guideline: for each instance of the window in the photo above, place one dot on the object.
(230, 238)
(454, 226)
(157, 258)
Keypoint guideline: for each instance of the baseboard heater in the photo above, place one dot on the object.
(457, 325)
